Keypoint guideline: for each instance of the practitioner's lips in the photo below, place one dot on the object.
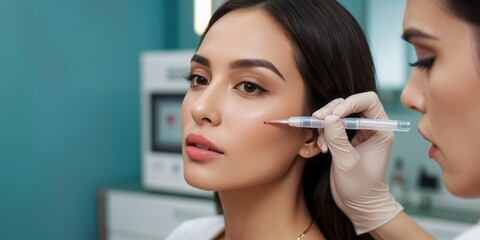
(433, 149)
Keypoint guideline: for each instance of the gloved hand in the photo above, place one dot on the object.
(358, 172)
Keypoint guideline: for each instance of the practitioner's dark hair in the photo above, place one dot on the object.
(468, 11)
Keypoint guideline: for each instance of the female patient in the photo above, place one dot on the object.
(259, 61)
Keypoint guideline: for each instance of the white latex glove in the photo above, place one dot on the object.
(358, 172)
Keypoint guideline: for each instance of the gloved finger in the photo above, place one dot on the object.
(344, 156)
(321, 114)
(367, 103)
(322, 144)
(327, 109)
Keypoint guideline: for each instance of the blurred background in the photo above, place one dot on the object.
(70, 117)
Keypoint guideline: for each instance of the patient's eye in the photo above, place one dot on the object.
(196, 80)
(250, 88)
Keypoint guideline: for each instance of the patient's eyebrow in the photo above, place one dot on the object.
(255, 62)
(410, 33)
(241, 63)
(201, 60)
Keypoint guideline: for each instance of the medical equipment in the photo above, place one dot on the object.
(349, 123)
(162, 88)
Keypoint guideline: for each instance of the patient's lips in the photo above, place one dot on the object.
(199, 148)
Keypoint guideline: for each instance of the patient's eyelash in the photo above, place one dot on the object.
(187, 76)
(195, 79)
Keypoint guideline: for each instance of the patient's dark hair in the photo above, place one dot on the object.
(334, 60)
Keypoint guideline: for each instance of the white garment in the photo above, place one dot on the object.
(471, 234)
(205, 228)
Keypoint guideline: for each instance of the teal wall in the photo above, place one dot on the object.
(358, 9)
(69, 105)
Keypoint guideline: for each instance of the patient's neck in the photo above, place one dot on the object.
(274, 210)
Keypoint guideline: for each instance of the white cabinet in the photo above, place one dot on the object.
(139, 215)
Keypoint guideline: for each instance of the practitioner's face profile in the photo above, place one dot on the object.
(444, 88)
(243, 74)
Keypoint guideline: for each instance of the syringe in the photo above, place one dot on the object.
(349, 123)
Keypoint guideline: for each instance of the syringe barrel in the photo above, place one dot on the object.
(376, 124)
(353, 123)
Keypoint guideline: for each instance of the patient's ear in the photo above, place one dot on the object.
(310, 147)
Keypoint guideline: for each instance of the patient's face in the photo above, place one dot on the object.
(243, 74)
